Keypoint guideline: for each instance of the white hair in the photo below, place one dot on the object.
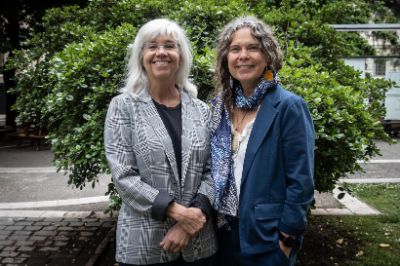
(136, 79)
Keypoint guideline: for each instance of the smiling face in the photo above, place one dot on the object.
(161, 59)
(246, 61)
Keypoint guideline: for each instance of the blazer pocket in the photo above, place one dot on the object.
(268, 211)
(264, 230)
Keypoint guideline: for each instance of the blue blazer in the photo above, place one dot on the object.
(277, 182)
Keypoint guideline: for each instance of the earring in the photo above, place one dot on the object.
(268, 75)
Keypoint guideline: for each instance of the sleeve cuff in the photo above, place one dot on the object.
(203, 203)
(160, 205)
(290, 231)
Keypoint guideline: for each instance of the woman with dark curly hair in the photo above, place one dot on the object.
(262, 151)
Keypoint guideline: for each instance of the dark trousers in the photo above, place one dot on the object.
(210, 261)
(229, 253)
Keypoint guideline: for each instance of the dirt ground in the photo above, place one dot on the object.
(325, 245)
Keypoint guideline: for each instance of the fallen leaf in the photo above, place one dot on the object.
(384, 245)
(339, 241)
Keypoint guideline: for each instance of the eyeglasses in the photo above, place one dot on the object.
(152, 46)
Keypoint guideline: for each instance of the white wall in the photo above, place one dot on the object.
(392, 100)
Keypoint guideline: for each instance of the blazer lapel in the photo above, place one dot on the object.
(187, 128)
(264, 119)
(159, 130)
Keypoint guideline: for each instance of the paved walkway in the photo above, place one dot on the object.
(44, 222)
(53, 241)
(382, 169)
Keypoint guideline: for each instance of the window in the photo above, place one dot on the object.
(380, 67)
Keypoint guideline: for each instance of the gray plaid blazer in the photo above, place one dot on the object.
(142, 163)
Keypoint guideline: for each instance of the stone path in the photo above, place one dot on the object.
(369, 180)
(346, 204)
(384, 169)
(44, 222)
(349, 205)
(52, 241)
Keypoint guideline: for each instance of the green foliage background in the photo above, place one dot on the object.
(67, 74)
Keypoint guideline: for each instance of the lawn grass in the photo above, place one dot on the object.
(357, 240)
(385, 197)
(380, 235)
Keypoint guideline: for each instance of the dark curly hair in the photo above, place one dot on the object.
(269, 45)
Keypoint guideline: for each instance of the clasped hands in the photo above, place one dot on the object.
(189, 222)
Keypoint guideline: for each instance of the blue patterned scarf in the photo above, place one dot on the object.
(226, 200)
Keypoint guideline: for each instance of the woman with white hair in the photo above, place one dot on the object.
(156, 139)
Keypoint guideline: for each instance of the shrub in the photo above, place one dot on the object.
(67, 76)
